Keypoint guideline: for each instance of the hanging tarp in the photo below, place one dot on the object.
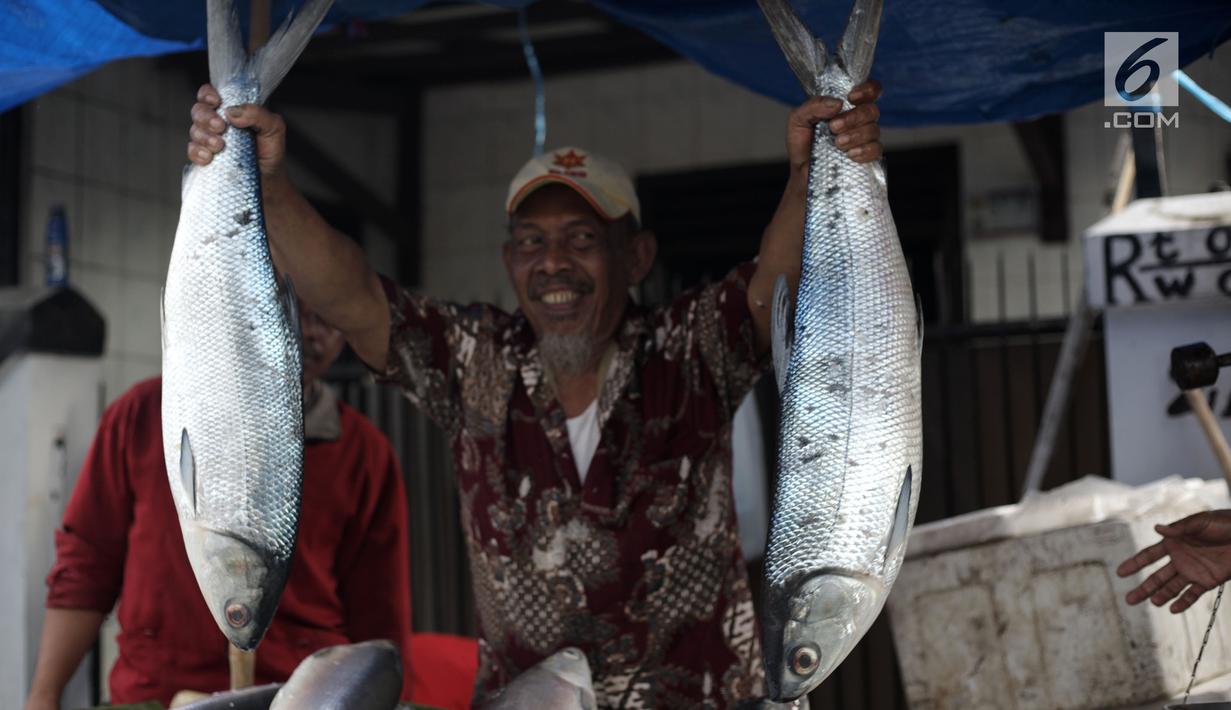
(957, 61)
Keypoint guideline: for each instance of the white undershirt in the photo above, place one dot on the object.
(583, 438)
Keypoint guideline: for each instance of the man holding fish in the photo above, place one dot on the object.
(591, 436)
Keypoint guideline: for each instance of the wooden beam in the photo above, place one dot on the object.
(620, 48)
(409, 192)
(309, 154)
(1043, 141)
(258, 25)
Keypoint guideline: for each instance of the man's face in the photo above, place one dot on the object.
(571, 268)
(321, 344)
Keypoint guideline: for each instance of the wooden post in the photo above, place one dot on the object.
(1199, 405)
(258, 25)
(243, 667)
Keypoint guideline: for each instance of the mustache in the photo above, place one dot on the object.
(544, 284)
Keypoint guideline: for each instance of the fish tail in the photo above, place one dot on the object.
(225, 45)
(807, 55)
(858, 44)
(275, 59)
(270, 64)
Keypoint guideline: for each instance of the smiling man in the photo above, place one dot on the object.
(591, 436)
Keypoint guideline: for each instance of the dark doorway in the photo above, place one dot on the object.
(10, 196)
(708, 221)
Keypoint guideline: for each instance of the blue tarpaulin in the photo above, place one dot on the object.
(957, 61)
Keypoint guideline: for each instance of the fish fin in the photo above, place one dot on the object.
(274, 60)
(186, 181)
(290, 306)
(224, 42)
(901, 518)
(919, 323)
(858, 43)
(780, 327)
(806, 55)
(188, 469)
(162, 318)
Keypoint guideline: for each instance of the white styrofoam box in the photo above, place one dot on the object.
(1161, 270)
(1020, 607)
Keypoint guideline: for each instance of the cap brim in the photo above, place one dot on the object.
(542, 180)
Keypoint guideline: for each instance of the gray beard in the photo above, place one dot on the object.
(566, 355)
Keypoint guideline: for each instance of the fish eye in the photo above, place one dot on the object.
(805, 659)
(237, 615)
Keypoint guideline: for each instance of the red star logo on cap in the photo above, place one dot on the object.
(569, 160)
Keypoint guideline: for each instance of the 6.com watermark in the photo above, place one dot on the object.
(1137, 77)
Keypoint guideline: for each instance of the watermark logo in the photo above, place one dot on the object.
(1137, 76)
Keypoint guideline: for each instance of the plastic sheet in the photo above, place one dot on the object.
(953, 62)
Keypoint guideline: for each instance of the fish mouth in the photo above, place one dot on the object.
(240, 581)
(812, 625)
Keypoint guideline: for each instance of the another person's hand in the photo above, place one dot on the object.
(205, 134)
(856, 131)
(1200, 550)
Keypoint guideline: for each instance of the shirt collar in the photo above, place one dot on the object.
(321, 421)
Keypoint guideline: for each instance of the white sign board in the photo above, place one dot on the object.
(1161, 271)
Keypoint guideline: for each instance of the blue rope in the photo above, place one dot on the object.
(540, 98)
(1211, 101)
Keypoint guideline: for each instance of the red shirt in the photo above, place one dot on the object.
(640, 567)
(349, 581)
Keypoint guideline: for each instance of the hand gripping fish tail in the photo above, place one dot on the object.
(232, 395)
(846, 352)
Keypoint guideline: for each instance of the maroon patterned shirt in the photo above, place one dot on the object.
(640, 567)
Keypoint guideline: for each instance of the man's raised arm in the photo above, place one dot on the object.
(329, 271)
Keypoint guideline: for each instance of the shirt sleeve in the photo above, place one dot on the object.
(717, 320)
(427, 346)
(93, 539)
(373, 568)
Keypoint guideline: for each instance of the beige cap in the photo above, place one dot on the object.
(603, 183)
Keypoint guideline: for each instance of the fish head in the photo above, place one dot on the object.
(240, 582)
(569, 664)
(810, 631)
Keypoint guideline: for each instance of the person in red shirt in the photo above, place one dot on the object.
(349, 581)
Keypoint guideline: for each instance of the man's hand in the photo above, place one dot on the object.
(856, 131)
(205, 134)
(1200, 550)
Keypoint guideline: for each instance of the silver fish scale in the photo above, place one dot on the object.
(850, 413)
(231, 360)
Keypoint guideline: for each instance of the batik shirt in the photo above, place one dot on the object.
(640, 567)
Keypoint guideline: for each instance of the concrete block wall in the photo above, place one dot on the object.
(108, 148)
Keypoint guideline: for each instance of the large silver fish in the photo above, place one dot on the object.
(846, 354)
(232, 392)
(561, 681)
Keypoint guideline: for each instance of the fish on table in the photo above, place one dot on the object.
(357, 676)
(561, 681)
(846, 351)
(232, 390)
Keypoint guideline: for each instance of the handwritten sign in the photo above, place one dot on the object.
(1154, 268)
